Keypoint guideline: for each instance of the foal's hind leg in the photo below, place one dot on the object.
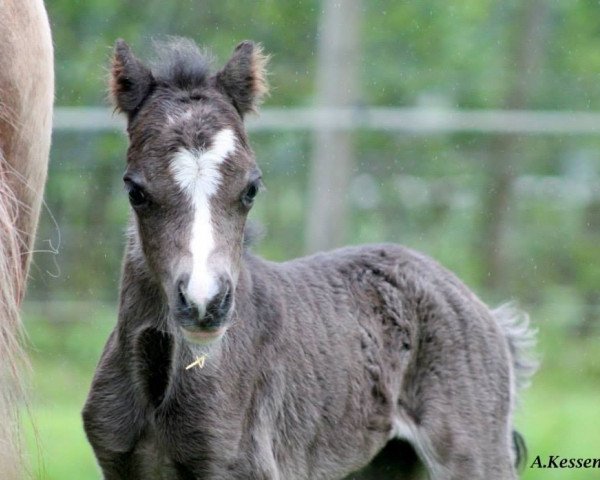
(456, 406)
(458, 436)
(451, 453)
(397, 461)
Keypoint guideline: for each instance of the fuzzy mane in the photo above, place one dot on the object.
(180, 63)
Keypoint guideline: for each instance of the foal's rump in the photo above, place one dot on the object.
(439, 365)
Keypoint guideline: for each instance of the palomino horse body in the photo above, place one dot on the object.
(225, 366)
(26, 96)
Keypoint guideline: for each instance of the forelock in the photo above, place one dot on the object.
(181, 64)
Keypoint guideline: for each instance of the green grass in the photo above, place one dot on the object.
(559, 414)
(65, 349)
(63, 451)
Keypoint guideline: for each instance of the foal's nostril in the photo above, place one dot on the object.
(226, 300)
(220, 305)
(183, 301)
(187, 309)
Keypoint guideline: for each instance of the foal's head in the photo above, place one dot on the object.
(191, 175)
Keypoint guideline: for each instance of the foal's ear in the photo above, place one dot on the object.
(244, 77)
(130, 80)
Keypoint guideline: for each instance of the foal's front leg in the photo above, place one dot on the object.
(113, 448)
(117, 465)
(112, 419)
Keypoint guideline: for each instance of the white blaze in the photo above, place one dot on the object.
(197, 174)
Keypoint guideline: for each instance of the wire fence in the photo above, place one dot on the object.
(408, 120)
(419, 179)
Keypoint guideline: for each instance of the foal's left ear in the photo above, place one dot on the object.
(244, 77)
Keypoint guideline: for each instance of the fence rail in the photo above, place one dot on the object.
(408, 120)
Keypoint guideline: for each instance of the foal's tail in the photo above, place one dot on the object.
(521, 339)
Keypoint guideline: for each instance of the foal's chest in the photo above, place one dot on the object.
(152, 461)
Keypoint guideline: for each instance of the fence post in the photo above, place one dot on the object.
(333, 156)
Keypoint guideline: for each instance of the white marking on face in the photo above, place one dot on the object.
(197, 174)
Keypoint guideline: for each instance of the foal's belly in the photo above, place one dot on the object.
(153, 463)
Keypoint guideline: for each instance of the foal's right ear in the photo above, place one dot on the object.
(244, 77)
(130, 80)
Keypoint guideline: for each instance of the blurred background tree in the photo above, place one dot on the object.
(474, 192)
(514, 215)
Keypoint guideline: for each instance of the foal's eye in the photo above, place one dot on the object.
(137, 195)
(250, 193)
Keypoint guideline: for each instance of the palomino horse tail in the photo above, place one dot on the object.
(521, 340)
(26, 97)
(12, 281)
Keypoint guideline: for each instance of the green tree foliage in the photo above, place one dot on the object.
(423, 191)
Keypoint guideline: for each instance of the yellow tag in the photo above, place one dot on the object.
(198, 362)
